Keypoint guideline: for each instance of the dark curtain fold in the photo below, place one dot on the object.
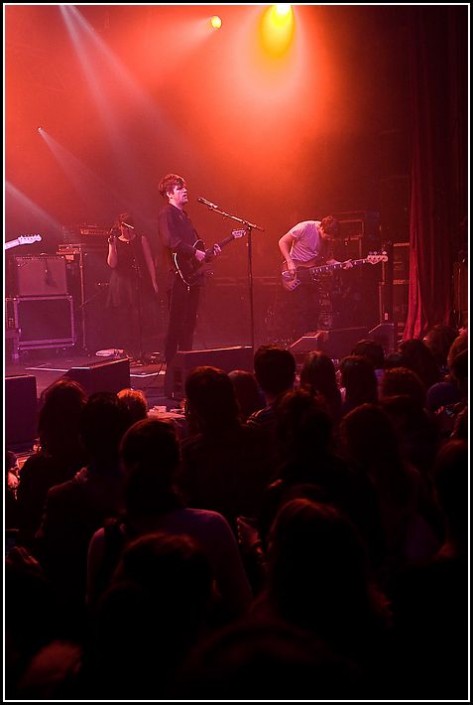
(438, 192)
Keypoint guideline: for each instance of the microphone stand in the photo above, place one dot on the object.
(249, 227)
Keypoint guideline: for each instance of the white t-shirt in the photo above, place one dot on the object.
(308, 241)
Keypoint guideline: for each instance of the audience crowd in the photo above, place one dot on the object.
(302, 536)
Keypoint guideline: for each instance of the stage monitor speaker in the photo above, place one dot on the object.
(21, 406)
(336, 343)
(226, 359)
(111, 376)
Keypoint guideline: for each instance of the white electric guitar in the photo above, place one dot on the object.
(23, 240)
(309, 272)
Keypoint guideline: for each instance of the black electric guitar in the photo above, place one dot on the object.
(190, 269)
(23, 240)
(307, 270)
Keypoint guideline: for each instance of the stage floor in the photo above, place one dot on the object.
(49, 365)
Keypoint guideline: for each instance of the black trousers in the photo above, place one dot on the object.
(183, 305)
(302, 307)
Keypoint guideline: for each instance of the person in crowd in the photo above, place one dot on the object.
(430, 599)
(318, 375)
(418, 357)
(11, 490)
(319, 580)
(374, 351)
(60, 454)
(224, 466)
(358, 382)
(135, 403)
(150, 458)
(248, 394)
(154, 611)
(369, 442)
(75, 509)
(449, 390)
(439, 340)
(310, 467)
(270, 658)
(275, 371)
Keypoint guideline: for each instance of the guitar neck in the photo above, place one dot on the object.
(227, 241)
(337, 265)
(11, 243)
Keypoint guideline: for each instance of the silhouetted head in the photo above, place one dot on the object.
(402, 381)
(317, 567)
(210, 399)
(61, 406)
(247, 392)
(439, 340)
(269, 659)
(318, 373)
(103, 423)
(152, 613)
(275, 369)
(134, 403)
(372, 350)
(304, 427)
(359, 379)
(417, 357)
(149, 454)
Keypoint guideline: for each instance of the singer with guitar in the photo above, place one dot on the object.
(308, 241)
(179, 237)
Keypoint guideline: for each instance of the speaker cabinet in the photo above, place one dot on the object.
(336, 343)
(21, 407)
(400, 300)
(97, 318)
(43, 275)
(401, 261)
(358, 229)
(394, 207)
(111, 376)
(42, 321)
(226, 359)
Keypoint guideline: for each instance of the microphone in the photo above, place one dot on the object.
(127, 225)
(207, 203)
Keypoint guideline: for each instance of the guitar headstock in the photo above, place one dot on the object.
(28, 239)
(375, 257)
(238, 233)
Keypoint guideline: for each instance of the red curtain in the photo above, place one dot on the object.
(438, 187)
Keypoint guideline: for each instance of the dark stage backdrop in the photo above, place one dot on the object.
(125, 94)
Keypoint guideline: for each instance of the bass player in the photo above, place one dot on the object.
(308, 242)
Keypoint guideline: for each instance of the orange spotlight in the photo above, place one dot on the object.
(277, 29)
(215, 22)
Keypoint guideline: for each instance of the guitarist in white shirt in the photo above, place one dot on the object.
(308, 242)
